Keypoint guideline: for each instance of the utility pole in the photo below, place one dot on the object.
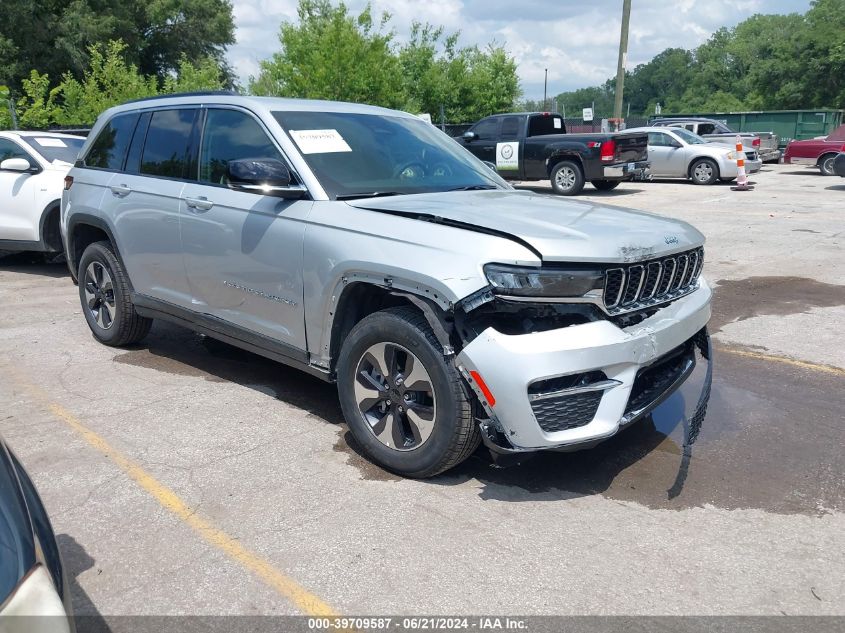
(545, 86)
(623, 53)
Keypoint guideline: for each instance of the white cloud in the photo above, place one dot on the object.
(577, 41)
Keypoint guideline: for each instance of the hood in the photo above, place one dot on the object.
(727, 147)
(557, 229)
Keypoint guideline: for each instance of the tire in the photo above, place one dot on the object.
(704, 171)
(826, 164)
(567, 178)
(105, 298)
(404, 445)
(605, 185)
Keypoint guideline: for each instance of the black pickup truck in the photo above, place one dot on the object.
(535, 146)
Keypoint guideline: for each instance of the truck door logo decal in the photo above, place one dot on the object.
(507, 156)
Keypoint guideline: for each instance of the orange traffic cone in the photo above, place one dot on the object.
(741, 178)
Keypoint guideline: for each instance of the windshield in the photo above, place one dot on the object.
(361, 155)
(52, 148)
(689, 137)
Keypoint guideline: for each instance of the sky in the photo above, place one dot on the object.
(578, 41)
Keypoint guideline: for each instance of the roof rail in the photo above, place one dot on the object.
(198, 93)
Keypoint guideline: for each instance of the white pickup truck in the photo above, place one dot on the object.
(764, 144)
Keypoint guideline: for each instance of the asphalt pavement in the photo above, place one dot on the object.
(184, 476)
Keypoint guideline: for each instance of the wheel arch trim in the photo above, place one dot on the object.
(430, 301)
(78, 219)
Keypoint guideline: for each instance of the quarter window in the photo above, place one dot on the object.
(167, 150)
(231, 135)
(109, 148)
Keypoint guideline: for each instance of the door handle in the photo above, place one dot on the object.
(121, 190)
(199, 204)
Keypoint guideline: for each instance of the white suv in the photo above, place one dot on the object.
(33, 166)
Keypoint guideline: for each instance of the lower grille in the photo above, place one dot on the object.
(567, 412)
(652, 383)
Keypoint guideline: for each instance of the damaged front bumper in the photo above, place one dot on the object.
(576, 385)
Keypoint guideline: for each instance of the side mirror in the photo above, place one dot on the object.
(266, 176)
(469, 136)
(16, 164)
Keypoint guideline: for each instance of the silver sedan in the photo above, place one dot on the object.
(678, 153)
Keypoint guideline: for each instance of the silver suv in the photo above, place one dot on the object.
(366, 247)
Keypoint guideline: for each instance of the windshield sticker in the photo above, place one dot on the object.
(45, 141)
(507, 156)
(319, 141)
(557, 123)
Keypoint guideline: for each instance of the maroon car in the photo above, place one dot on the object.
(818, 152)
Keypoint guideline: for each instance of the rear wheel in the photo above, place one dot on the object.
(404, 403)
(704, 171)
(605, 185)
(106, 302)
(567, 178)
(826, 164)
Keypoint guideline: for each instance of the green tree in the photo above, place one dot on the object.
(765, 62)
(469, 83)
(37, 107)
(56, 36)
(107, 81)
(332, 54)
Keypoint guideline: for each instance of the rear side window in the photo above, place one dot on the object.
(231, 135)
(109, 148)
(168, 149)
(706, 128)
(541, 124)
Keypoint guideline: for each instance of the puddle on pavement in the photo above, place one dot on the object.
(740, 299)
(758, 448)
(771, 439)
(347, 445)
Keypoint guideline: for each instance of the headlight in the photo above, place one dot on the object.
(731, 155)
(524, 281)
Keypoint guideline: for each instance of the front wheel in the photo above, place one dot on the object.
(826, 164)
(106, 302)
(704, 171)
(605, 185)
(567, 178)
(404, 403)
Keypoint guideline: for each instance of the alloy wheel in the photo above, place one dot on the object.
(395, 396)
(99, 295)
(565, 178)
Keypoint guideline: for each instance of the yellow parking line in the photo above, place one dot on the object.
(836, 371)
(303, 599)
